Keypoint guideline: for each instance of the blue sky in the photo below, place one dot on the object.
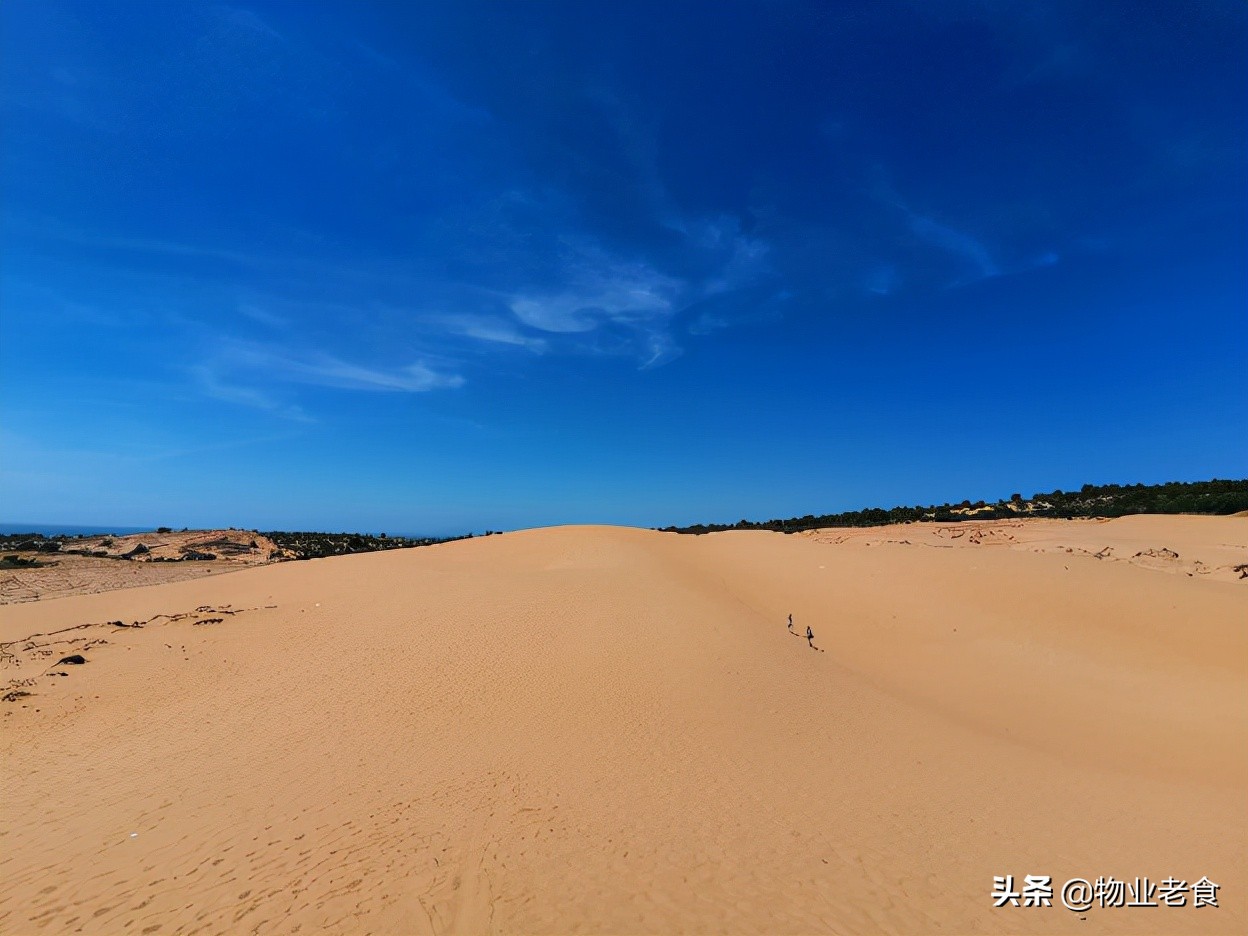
(440, 267)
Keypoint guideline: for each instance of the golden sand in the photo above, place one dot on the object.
(612, 730)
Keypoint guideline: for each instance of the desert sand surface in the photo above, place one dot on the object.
(1212, 547)
(611, 730)
(149, 559)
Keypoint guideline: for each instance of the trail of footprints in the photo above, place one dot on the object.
(434, 859)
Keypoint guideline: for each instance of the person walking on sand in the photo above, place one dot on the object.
(810, 637)
(790, 622)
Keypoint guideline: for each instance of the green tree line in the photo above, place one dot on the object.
(1091, 500)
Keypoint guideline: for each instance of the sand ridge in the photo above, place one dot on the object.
(598, 729)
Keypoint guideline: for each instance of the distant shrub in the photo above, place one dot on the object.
(1109, 500)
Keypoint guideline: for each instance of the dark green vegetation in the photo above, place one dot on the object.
(1091, 500)
(289, 546)
(319, 545)
(61, 543)
(34, 542)
(19, 562)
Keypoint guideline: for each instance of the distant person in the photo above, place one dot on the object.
(810, 637)
(790, 622)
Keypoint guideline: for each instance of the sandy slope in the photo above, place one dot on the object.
(610, 730)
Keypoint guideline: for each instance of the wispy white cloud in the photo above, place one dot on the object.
(604, 291)
(441, 102)
(882, 279)
(492, 329)
(214, 387)
(608, 295)
(380, 59)
(18, 296)
(958, 243)
(147, 245)
(247, 22)
(601, 290)
(749, 306)
(262, 315)
(743, 260)
(45, 227)
(597, 293)
(976, 254)
(251, 374)
(325, 370)
(659, 348)
(975, 259)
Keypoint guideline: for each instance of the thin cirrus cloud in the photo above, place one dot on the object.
(973, 258)
(967, 257)
(247, 21)
(958, 243)
(488, 329)
(244, 374)
(324, 370)
(607, 304)
(975, 255)
(215, 387)
(262, 316)
(628, 294)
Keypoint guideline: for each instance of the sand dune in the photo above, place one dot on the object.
(600, 730)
